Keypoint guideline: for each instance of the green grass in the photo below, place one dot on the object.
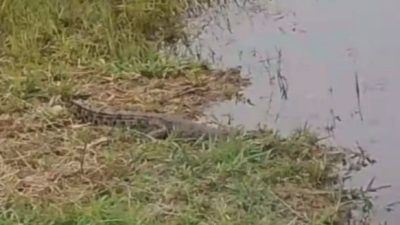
(43, 43)
(262, 180)
(55, 173)
(75, 33)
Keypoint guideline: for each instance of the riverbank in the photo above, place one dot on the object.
(56, 171)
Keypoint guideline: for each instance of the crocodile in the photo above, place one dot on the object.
(156, 125)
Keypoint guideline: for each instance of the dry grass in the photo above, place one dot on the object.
(55, 171)
(266, 180)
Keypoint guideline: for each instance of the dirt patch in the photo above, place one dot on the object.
(186, 95)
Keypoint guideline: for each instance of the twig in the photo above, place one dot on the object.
(358, 96)
(83, 158)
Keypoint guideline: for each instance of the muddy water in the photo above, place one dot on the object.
(317, 51)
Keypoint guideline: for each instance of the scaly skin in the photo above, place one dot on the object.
(155, 124)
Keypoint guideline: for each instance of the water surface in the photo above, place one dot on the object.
(319, 47)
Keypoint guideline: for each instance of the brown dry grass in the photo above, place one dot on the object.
(187, 94)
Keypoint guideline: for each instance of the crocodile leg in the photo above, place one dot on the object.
(161, 133)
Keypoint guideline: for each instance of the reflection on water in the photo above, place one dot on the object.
(330, 64)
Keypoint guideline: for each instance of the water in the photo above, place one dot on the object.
(323, 45)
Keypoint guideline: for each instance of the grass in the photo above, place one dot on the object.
(45, 44)
(54, 171)
(128, 180)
